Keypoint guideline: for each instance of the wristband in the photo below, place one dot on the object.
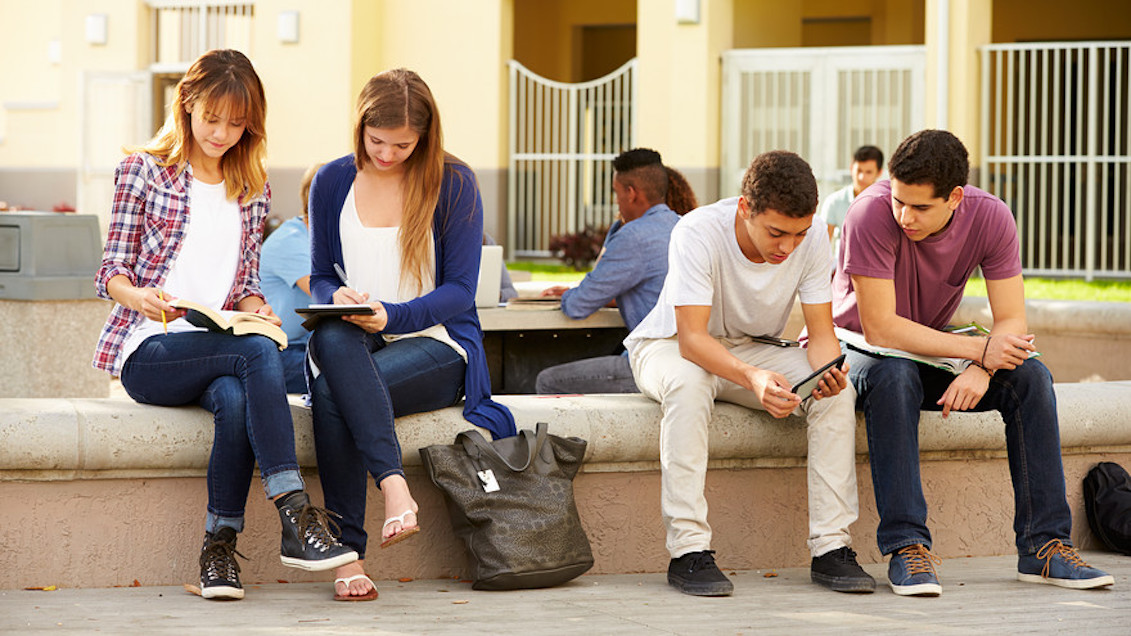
(984, 350)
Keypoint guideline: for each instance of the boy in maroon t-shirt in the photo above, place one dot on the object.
(908, 248)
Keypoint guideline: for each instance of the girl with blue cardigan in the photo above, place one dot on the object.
(397, 225)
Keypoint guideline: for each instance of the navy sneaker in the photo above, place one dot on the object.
(219, 571)
(695, 573)
(911, 572)
(838, 570)
(1059, 564)
(310, 541)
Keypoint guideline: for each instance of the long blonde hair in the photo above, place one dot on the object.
(221, 76)
(393, 99)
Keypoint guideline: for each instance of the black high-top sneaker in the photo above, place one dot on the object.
(219, 571)
(309, 541)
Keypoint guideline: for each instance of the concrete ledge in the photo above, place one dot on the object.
(116, 490)
(68, 438)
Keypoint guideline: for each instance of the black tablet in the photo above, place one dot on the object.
(805, 387)
(777, 342)
(335, 310)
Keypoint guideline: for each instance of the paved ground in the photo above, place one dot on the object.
(980, 596)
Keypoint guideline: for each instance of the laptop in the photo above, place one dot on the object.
(490, 276)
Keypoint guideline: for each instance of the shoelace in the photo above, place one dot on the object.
(218, 559)
(316, 526)
(1055, 547)
(705, 560)
(918, 559)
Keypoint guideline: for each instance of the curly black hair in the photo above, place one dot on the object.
(781, 181)
(931, 157)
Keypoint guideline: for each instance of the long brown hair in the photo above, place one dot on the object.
(393, 99)
(219, 77)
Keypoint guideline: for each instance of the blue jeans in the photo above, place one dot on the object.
(239, 379)
(892, 391)
(365, 384)
(603, 374)
(294, 367)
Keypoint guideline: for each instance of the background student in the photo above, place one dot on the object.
(208, 158)
(284, 273)
(404, 221)
(867, 164)
(630, 270)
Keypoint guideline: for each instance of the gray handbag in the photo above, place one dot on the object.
(511, 501)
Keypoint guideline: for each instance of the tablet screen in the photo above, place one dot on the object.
(806, 386)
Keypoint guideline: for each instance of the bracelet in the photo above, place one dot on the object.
(987, 371)
(984, 350)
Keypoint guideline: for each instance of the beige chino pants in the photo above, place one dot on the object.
(687, 394)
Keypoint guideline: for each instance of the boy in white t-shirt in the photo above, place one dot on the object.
(734, 269)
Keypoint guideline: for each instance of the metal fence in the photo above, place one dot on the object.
(821, 103)
(1056, 147)
(562, 140)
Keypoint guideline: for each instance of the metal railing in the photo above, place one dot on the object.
(1056, 146)
(182, 30)
(562, 140)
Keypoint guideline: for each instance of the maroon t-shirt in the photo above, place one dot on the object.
(930, 275)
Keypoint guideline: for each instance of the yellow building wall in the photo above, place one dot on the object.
(546, 32)
(40, 126)
(463, 60)
(680, 75)
(309, 83)
(763, 23)
(969, 26)
(1054, 20)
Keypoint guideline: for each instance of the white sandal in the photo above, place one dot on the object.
(404, 533)
(368, 596)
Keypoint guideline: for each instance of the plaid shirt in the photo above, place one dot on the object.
(147, 227)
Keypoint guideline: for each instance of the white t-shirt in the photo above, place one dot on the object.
(372, 258)
(205, 267)
(706, 267)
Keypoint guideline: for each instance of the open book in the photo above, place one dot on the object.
(857, 341)
(237, 323)
(953, 365)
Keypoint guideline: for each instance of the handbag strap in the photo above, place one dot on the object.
(476, 445)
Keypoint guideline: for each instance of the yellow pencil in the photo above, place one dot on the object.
(164, 324)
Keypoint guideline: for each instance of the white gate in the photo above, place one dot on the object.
(821, 103)
(1057, 148)
(563, 138)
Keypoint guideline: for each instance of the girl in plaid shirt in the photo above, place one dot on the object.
(187, 221)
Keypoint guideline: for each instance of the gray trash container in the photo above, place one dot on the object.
(48, 255)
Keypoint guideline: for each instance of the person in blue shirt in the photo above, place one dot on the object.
(284, 277)
(629, 272)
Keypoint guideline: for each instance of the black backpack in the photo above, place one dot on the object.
(1107, 502)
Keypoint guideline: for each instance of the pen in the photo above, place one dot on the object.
(164, 323)
(341, 274)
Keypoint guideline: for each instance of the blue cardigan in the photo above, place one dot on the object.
(458, 235)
